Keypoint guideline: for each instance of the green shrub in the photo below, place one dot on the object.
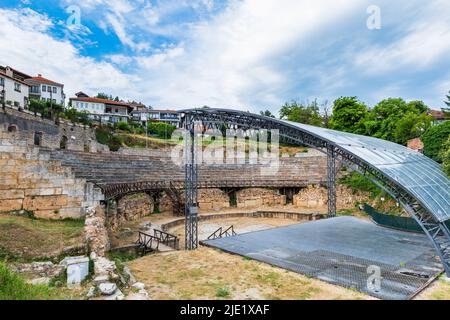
(434, 140)
(105, 135)
(222, 293)
(122, 125)
(13, 287)
(445, 156)
(45, 108)
(358, 182)
(76, 116)
(161, 129)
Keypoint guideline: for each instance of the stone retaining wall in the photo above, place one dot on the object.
(23, 125)
(258, 197)
(317, 197)
(30, 181)
(130, 208)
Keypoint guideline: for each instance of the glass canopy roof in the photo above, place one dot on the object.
(422, 177)
(415, 173)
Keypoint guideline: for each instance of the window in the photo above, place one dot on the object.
(44, 88)
(37, 138)
(54, 89)
(2, 81)
(17, 87)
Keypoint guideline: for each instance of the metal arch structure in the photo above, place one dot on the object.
(396, 169)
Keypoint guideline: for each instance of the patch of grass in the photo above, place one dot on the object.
(222, 293)
(345, 212)
(13, 287)
(25, 238)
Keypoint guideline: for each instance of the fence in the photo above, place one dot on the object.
(395, 222)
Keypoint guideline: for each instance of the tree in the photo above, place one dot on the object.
(105, 96)
(445, 156)
(267, 113)
(411, 126)
(306, 114)
(434, 140)
(448, 99)
(385, 117)
(348, 114)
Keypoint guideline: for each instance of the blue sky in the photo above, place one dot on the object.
(244, 54)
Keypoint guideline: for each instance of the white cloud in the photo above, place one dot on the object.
(253, 54)
(26, 47)
(425, 41)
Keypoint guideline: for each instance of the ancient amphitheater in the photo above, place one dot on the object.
(56, 171)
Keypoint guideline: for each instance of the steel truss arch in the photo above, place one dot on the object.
(431, 221)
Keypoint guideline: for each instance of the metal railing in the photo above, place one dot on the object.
(220, 233)
(147, 243)
(167, 239)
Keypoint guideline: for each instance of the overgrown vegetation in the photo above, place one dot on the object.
(25, 239)
(161, 130)
(14, 287)
(435, 141)
(358, 182)
(47, 109)
(106, 135)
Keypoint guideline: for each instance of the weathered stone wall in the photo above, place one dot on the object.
(213, 200)
(317, 197)
(30, 181)
(209, 200)
(129, 208)
(257, 197)
(97, 239)
(23, 125)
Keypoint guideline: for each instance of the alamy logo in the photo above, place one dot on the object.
(374, 280)
(374, 20)
(237, 146)
(74, 19)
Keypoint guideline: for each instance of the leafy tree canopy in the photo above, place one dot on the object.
(445, 156)
(434, 139)
(102, 95)
(447, 102)
(267, 113)
(390, 119)
(348, 115)
(297, 112)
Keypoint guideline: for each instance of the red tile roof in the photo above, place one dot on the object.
(12, 78)
(105, 101)
(416, 144)
(438, 115)
(46, 81)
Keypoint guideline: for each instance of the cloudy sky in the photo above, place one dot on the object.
(243, 54)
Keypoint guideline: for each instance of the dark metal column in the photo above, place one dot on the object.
(331, 171)
(191, 186)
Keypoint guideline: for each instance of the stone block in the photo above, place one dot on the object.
(45, 202)
(77, 270)
(11, 205)
(12, 194)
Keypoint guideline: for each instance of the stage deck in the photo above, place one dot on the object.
(340, 251)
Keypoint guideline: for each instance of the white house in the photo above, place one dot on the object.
(47, 90)
(13, 92)
(102, 110)
(168, 116)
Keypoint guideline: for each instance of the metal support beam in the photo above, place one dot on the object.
(191, 187)
(331, 172)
